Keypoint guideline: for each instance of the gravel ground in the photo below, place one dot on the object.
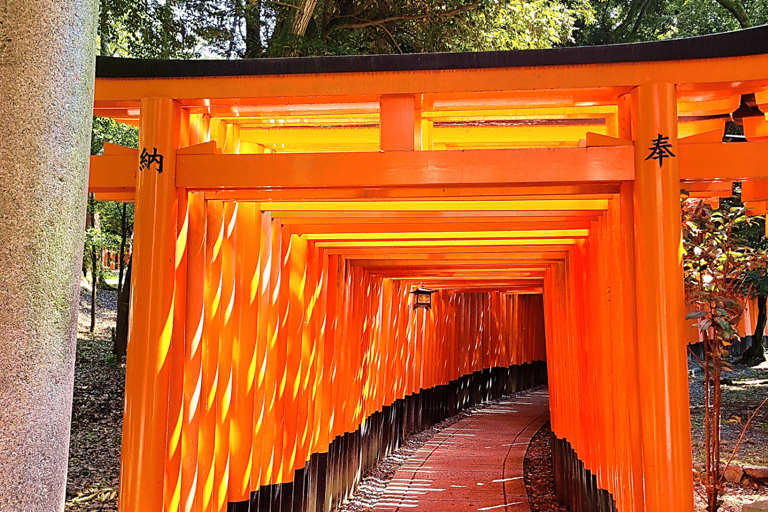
(538, 473)
(747, 388)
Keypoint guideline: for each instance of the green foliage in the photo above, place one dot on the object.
(717, 264)
(628, 21)
(106, 233)
(700, 17)
(145, 29)
(239, 28)
(716, 258)
(109, 130)
(523, 25)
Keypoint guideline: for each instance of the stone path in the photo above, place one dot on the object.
(473, 465)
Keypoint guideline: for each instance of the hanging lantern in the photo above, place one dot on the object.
(422, 298)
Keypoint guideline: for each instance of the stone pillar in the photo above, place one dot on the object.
(47, 57)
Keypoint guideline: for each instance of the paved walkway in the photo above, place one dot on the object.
(474, 465)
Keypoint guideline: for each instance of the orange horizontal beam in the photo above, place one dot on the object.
(459, 252)
(693, 75)
(407, 273)
(448, 243)
(387, 217)
(438, 207)
(723, 161)
(468, 262)
(113, 173)
(406, 168)
(452, 235)
(420, 192)
(452, 270)
(415, 224)
(698, 162)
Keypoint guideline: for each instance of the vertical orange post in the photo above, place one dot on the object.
(295, 401)
(147, 372)
(176, 356)
(660, 303)
(324, 358)
(263, 429)
(176, 363)
(310, 352)
(193, 350)
(224, 383)
(210, 354)
(331, 366)
(397, 122)
(244, 362)
(284, 424)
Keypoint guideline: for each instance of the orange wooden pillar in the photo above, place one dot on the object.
(224, 380)
(194, 319)
(210, 353)
(263, 431)
(244, 358)
(660, 305)
(628, 358)
(147, 369)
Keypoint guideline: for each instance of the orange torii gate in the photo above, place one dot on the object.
(286, 208)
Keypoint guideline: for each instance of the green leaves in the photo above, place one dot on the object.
(718, 267)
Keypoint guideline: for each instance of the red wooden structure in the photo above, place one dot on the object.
(286, 208)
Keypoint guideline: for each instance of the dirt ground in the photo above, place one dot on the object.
(97, 412)
(747, 388)
(94, 462)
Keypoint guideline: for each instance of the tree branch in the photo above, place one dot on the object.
(636, 11)
(743, 431)
(735, 8)
(301, 21)
(283, 4)
(640, 15)
(394, 41)
(408, 17)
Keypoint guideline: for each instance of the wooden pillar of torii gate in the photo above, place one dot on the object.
(665, 421)
(145, 435)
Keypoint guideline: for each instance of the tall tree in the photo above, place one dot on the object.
(628, 21)
(271, 28)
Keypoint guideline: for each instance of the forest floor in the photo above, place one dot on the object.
(745, 390)
(97, 412)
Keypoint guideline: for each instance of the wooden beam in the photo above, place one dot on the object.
(698, 162)
(406, 168)
(723, 161)
(113, 173)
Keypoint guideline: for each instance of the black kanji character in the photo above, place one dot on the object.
(660, 149)
(148, 159)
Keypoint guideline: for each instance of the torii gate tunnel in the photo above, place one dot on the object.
(286, 208)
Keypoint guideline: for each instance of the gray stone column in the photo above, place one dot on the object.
(47, 57)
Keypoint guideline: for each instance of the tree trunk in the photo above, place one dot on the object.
(756, 354)
(252, 14)
(94, 274)
(120, 341)
(93, 217)
(121, 257)
(735, 8)
(301, 19)
(103, 30)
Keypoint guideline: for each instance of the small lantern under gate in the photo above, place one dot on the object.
(422, 298)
